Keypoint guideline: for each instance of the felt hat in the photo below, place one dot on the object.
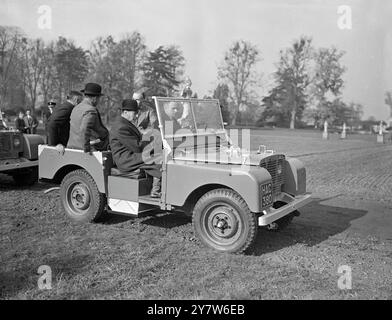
(92, 89)
(129, 105)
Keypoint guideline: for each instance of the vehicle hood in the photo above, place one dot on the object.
(252, 158)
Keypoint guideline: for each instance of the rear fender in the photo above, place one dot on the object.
(51, 163)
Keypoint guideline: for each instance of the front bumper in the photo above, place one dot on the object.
(293, 203)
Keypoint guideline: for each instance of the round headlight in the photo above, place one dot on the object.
(16, 142)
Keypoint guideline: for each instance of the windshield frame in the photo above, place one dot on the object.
(191, 101)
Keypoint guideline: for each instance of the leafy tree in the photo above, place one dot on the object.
(289, 96)
(71, 66)
(327, 81)
(238, 72)
(162, 70)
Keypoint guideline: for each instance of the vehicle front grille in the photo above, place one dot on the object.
(5, 145)
(271, 164)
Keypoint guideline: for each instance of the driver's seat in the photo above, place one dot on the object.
(137, 174)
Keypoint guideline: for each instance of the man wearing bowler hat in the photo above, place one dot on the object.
(127, 146)
(87, 131)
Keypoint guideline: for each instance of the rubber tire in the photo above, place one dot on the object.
(97, 199)
(247, 226)
(27, 178)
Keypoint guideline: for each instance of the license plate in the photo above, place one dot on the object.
(266, 195)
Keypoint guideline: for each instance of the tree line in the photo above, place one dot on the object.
(306, 86)
(33, 72)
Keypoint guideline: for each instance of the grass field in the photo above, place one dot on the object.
(349, 223)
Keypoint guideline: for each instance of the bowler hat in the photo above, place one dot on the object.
(92, 89)
(129, 105)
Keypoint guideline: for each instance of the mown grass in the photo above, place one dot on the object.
(159, 257)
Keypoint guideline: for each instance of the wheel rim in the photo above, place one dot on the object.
(221, 223)
(78, 198)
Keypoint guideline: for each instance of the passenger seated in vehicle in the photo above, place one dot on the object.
(176, 116)
(127, 146)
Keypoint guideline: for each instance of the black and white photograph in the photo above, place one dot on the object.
(209, 152)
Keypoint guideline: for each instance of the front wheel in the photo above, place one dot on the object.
(80, 197)
(222, 220)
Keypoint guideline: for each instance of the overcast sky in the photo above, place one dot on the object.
(204, 29)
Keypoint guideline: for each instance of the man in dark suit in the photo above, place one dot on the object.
(58, 123)
(20, 124)
(31, 122)
(127, 146)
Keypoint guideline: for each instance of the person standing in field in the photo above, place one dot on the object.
(59, 122)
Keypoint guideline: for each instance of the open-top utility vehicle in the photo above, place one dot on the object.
(228, 191)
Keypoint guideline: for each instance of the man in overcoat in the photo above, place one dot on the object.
(59, 122)
(87, 131)
(127, 146)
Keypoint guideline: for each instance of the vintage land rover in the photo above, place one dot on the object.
(228, 191)
(19, 156)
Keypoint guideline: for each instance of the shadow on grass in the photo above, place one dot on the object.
(8, 184)
(25, 277)
(167, 220)
(154, 218)
(316, 224)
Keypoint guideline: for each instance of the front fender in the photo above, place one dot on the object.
(30, 145)
(295, 177)
(185, 177)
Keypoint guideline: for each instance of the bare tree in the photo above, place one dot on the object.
(10, 38)
(238, 72)
(48, 83)
(31, 67)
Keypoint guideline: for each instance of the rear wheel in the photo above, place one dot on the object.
(26, 178)
(81, 198)
(222, 220)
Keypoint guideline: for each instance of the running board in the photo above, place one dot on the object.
(125, 207)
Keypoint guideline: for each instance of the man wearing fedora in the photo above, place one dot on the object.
(58, 125)
(127, 146)
(87, 131)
